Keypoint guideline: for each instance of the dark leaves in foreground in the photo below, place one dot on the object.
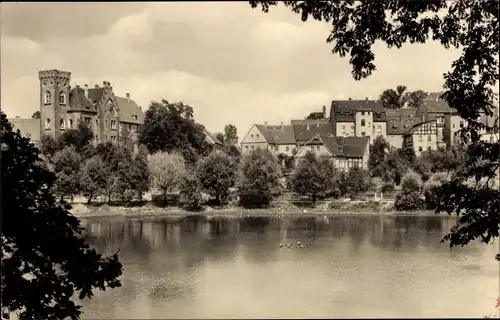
(44, 261)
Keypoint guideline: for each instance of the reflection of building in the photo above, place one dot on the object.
(421, 136)
(343, 152)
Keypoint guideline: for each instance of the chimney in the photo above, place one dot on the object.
(281, 126)
(96, 86)
(127, 95)
(265, 124)
(307, 126)
(317, 122)
(366, 98)
(324, 112)
(350, 98)
(104, 84)
(86, 86)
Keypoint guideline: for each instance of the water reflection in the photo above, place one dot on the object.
(199, 267)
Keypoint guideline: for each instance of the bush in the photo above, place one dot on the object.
(408, 201)
(388, 187)
(430, 188)
(411, 182)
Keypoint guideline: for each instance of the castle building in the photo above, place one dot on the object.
(62, 107)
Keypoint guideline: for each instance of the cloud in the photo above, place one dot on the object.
(231, 63)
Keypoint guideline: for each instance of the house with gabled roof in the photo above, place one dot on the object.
(397, 128)
(358, 118)
(212, 139)
(421, 136)
(62, 107)
(342, 152)
(279, 139)
(305, 132)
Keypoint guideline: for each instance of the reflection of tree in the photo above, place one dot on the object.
(254, 224)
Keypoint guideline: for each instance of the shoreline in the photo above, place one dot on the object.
(151, 212)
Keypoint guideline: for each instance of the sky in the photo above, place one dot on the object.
(231, 63)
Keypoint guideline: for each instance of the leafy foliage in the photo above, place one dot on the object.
(394, 99)
(41, 240)
(416, 98)
(79, 138)
(36, 115)
(217, 173)
(378, 155)
(470, 26)
(408, 201)
(356, 181)
(411, 182)
(94, 177)
(261, 178)
(230, 134)
(170, 127)
(308, 178)
(191, 191)
(67, 169)
(167, 171)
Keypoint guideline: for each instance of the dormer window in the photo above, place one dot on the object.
(61, 124)
(113, 111)
(47, 123)
(62, 98)
(47, 97)
(134, 117)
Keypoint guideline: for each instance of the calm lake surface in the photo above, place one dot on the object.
(354, 266)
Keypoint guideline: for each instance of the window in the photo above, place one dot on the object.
(252, 147)
(312, 149)
(61, 124)
(287, 148)
(352, 128)
(129, 127)
(47, 98)
(113, 124)
(28, 135)
(461, 124)
(87, 120)
(246, 147)
(134, 117)
(429, 138)
(277, 148)
(71, 123)
(362, 113)
(379, 129)
(420, 138)
(343, 129)
(317, 148)
(62, 98)
(106, 123)
(47, 123)
(420, 149)
(113, 138)
(113, 111)
(363, 134)
(257, 136)
(251, 136)
(96, 138)
(453, 126)
(362, 122)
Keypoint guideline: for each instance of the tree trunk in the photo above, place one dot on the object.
(109, 197)
(140, 196)
(217, 198)
(90, 198)
(165, 198)
(314, 197)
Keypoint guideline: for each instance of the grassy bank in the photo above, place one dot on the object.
(279, 209)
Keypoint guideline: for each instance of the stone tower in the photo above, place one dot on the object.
(54, 101)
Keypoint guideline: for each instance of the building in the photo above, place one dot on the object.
(29, 128)
(212, 139)
(313, 118)
(279, 139)
(422, 136)
(358, 118)
(343, 152)
(305, 132)
(62, 107)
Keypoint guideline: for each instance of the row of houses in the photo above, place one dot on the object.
(345, 134)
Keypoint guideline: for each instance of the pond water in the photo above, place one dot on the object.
(353, 266)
